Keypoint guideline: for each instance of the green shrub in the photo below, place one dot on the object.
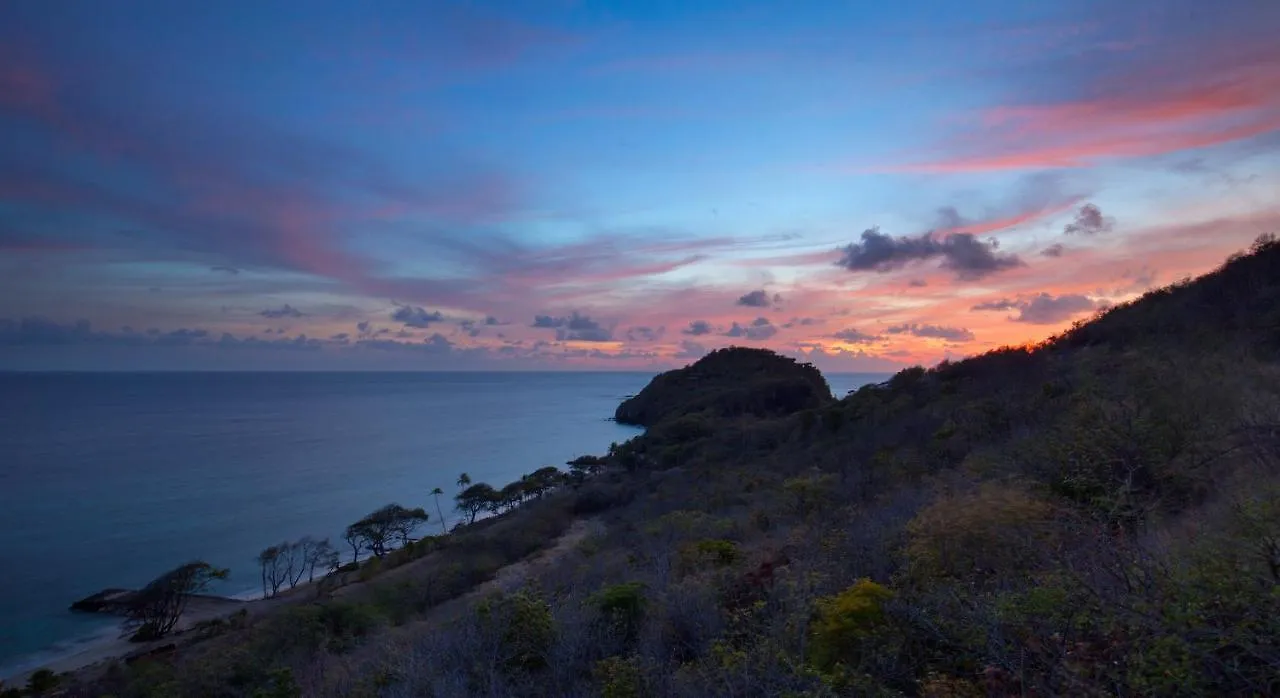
(711, 552)
(281, 685)
(41, 682)
(523, 628)
(622, 606)
(811, 494)
(844, 621)
(619, 678)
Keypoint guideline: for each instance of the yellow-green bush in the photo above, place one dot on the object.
(996, 529)
(619, 678)
(523, 627)
(810, 494)
(845, 621)
(707, 553)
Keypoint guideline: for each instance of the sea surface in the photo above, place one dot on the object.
(108, 479)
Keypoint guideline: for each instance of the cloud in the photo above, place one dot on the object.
(691, 350)
(917, 283)
(951, 334)
(1136, 84)
(645, 334)
(962, 253)
(755, 299)
(854, 336)
(804, 322)
(1055, 250)
(283, 311)
(574, 327)
(415, 316)
(225, 269)
(1043, 308)
(758, 329)
(697, 328)
(1089, 221)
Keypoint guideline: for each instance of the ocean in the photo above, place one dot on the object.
(108, 479)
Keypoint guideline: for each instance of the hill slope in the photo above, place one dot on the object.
(1096, 515)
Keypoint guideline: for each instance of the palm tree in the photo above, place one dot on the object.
(436, 493)
(464, 480)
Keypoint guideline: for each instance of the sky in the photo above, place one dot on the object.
(577, 185)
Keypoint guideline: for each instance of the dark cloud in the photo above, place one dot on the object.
(697, 328)
(691, 350)
(283, 311)
(854, 336)
(645, 334)
(951, 334)
(1089, 221)
(415, 316)
(760, 328)
(1045, 309)
(1055, 250)
(1001, 304)
(225, 270)
(803, 322)
(962, 253)
(917, 283)
(1042, 309)
(491, 320)
(574, 327)
(340, 337)
(755, 299)
(39, 331)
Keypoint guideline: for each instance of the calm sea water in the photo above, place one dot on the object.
(107, 479)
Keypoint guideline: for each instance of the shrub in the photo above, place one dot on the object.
(622, 606)
(998, 528)
(522, 628)
(41, 682)
(810, 494)
(844, 621)
(619, 678)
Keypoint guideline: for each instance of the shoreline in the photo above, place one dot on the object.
(108, 644)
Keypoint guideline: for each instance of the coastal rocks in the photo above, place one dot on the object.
(111, 601)
(728, 383)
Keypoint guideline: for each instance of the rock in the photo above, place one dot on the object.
(728, 383)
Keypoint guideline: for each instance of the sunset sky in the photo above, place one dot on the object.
(560, 185)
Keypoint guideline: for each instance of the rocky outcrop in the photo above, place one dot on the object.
(728, 383)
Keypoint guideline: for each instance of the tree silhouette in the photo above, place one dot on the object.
(156, 609)
(464, 480)
(436, 493)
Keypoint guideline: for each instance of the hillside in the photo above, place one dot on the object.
(1095, 515)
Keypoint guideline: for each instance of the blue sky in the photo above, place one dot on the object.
(413, 185)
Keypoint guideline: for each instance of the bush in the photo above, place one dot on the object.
(844, 621)
(997, 529)
(711, 552)
(41, 682)
(622, 606)
(619, 678)
(522, 626)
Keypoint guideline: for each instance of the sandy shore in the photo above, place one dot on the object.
(111, 645)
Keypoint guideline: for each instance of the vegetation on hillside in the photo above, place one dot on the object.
(1094, 515)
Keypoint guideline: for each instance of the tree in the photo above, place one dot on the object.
(384, 526)
(271, 563)
(540, 481)
(156, 609)
(464, 480)
(436, 494)
(354, 539)
(510, 496)
(321, 554)
(475, 499)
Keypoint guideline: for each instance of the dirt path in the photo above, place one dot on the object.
(513, 576)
